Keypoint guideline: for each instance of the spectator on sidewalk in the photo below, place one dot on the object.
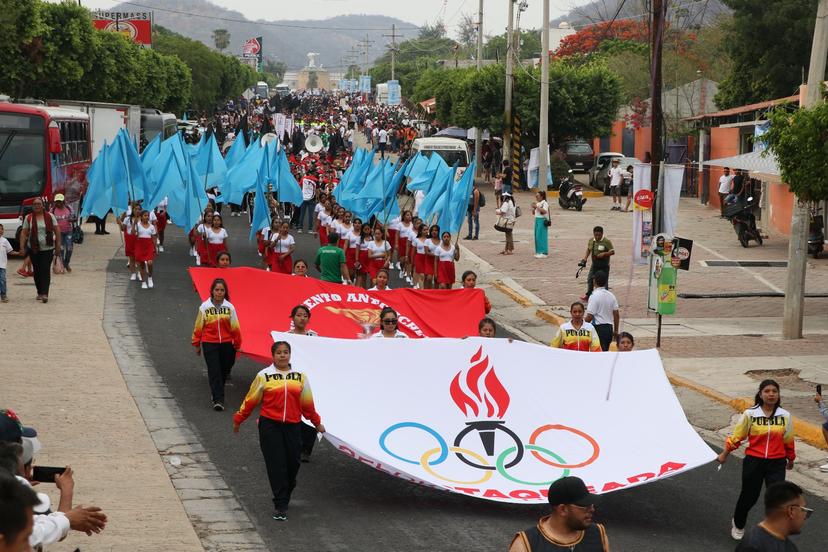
(616, 177)
(17, 504)
(599, 250)
(785, 514)
(540, 208)
(507, 213)
(724, 188)
(770, 452)
(602, 311)
(66, 220)
(569, 525)
(577, 335)
(5, 250)
(40, 240)
(473, 213)
(823, 410)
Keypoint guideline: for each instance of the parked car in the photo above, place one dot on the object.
(578, 154)
(598, 172)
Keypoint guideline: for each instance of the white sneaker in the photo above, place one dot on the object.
(198, 260)
(149, 282)
(144, 285)
(540, 256)
(300, 230)
(735, 532)
(133, 277)
(160, 248)
(398, 265)
(824, 468)
(139, 276)
(402, 273)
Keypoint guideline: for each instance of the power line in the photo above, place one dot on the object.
(264, 23)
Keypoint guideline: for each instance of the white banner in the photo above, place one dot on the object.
(671, 187)
(279, 123)
(642, 214)
(289, 126)
(495, 419)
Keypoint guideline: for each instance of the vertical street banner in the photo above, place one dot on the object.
(498, 420)
(394, 92)
(365, 84)
(252, 52)
(289, 125)
(643, 198)
(279, 124)
(135, 25)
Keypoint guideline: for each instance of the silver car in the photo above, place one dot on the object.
(603, 162)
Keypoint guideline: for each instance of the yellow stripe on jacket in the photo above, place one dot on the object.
(769, 437)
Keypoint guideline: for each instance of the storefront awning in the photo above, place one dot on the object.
(754, 162)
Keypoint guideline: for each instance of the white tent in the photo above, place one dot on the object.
(756, 162)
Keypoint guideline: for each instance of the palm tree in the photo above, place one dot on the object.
(221, 38)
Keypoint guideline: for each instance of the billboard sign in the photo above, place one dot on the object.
(394, 92)
(135, 25)
(252, 50)
(365, 84)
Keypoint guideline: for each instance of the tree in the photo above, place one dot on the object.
(221, 38)
(435, 31)
(275, 68)
(352, 72)
(769, 43)
(467, 31)
(20, 47)
(800, 142)
(591, 37)
(495, 46)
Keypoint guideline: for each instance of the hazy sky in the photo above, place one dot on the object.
(416, 12)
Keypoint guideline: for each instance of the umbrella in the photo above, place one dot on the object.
(453, 132)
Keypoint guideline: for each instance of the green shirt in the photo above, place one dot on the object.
(330, 259)
(601, 246)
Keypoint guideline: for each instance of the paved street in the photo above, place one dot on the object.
(342, 505)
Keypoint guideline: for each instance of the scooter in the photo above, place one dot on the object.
(816, 233)
(570, 193)
(744, 221)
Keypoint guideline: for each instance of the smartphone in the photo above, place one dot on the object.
(46, 474)
(819, 389)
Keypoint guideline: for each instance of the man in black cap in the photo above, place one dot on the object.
(569, 526)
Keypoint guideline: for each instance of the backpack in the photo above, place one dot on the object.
(482, 199)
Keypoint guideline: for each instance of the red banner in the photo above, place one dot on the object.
(136, 26)
(263, 301)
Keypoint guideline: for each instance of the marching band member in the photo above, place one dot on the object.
(216, 239)
(446, 254)
(285, 396)
(344, 228)
(379, 251)
(263, 241)
(146, 242)
(281, 247)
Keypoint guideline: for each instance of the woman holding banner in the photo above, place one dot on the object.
(381, 283)
(389, 324)
(469, 280)
(446, 254)
(379, 251)
(281, 248)
(285, 396)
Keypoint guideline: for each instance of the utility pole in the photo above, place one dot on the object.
(393, 48)
(507, 109)
(478, 136)
(657, 116)
(798, 244)
(543, 146)
(366, 44)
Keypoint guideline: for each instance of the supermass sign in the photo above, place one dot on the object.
(137, 26)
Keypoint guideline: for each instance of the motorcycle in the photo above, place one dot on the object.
(570, 193)
(741, 216)
(816, 233)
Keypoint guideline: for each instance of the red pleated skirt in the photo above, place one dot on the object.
(445, 272)
(213, 249)
(284, 266)
(374, 265)
(350, 258)
(419, 262)
(428, 265)
(144, 250)
(393, 236)
(161, 222)
(323, 235)
(129, 244)
(402, 244)
(364, 260)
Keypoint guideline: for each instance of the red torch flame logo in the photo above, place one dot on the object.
(475, 399)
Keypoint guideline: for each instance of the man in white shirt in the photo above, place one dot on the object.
(725, 182)
(616, 176)
(382, 140)
(602, 311)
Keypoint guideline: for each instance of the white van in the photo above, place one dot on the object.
(450, 149)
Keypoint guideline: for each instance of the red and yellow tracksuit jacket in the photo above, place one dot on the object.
(284, 396)
(770, 437)
(584, 338)
(217, 324)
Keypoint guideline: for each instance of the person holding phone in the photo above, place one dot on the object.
(770, 452)
(823, 410)
(285, 397)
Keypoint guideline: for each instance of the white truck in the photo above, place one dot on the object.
(105, 120)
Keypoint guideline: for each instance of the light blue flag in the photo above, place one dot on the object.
(261, 207)
(169, 170)
(287, 187)
(235, 153)
(98, 198)
(135, 169)
(374, 187)
(118, 177)
(419, 163)
(356, 162)
(421, 181)
(242, 177)
(434, 198)
(150, 153)
(210, 164)
(187, 199)
(460, 199)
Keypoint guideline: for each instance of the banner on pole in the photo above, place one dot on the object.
(365, 84)
(264, 300)
(280, 120)
(642, 213)
(394, 92)
(499, 420)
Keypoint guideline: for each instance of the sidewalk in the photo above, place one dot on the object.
(721, 348)
(59, 374)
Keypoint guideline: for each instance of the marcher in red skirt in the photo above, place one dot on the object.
(199, 235)
(352, 246)
(216, 240)
(363, 259)
(146, 243)
(128, 221)
(379, 253)
(282, 245)
(446, 254)
(431, 244)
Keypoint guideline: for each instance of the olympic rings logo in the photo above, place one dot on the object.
(502, 462)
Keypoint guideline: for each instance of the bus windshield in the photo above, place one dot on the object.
(22, 164)
(450, 156)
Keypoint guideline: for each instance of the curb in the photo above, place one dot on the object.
(807, 432)
(512, 294)
(550, 317)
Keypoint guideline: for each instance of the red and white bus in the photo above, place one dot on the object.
(43, 151)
